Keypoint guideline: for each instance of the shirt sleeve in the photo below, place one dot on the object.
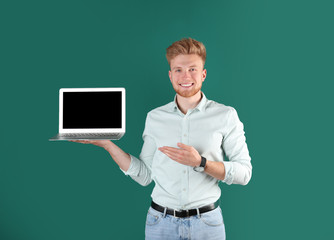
(238, 170)
(140, 169)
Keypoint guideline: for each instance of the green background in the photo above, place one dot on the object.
(271, 60)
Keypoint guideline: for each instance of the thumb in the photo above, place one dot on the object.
(184, 146)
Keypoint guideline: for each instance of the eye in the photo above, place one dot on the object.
(178, 70)
(192, 69)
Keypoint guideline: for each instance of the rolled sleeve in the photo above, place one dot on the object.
(229, 173)
(133, 168)
(140, 169)
(238, 169)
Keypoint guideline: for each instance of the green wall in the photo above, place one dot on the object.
(271, 60)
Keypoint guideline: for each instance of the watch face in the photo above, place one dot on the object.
(199, 169)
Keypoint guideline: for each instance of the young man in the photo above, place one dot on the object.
(183, 153)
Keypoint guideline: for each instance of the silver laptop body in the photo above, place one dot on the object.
(91, 114)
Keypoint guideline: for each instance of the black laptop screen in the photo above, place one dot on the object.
(92, 110)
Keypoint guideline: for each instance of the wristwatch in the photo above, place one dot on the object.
(201, 167)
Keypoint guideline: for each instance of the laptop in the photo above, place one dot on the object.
(91, 114)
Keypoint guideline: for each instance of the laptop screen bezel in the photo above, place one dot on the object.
(90, 130)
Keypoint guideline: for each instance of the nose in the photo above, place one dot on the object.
(186, 74)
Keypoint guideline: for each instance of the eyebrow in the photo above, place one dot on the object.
(181, 67)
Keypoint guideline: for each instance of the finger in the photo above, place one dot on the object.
(166, 151)
(166, 147)
(171, 149)
(177, 152)
(80, 141)
(174, 155)
(184, 146)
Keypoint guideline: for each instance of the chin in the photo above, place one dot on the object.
(188, 94)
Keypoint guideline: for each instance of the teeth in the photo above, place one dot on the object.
(186, 85)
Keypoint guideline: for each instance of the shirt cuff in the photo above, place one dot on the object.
(229, 173)
(133, 168)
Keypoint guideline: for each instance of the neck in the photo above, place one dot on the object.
(186, 103)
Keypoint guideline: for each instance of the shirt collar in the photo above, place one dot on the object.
(201, 106)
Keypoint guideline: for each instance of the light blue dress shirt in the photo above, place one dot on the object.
(214, 130)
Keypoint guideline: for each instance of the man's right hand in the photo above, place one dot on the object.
(101, 143)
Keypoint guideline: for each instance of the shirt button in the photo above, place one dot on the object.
(184, 171)
(184, 189)
(185, 135)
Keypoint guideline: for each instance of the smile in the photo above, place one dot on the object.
(186, 85)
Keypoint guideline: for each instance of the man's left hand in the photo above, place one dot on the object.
(185, 154)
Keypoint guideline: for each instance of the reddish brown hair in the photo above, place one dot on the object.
(186, 46)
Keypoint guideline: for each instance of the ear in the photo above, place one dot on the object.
(170, 75)
(204, 75)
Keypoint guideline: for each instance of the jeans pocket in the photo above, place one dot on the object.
(213, 218)
(153, 217)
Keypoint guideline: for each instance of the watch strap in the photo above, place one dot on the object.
(203, 162)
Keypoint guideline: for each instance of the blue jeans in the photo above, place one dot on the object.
(206, 226)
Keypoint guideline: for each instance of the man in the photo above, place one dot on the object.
(183, 153)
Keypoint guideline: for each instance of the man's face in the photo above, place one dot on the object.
(187, 74)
